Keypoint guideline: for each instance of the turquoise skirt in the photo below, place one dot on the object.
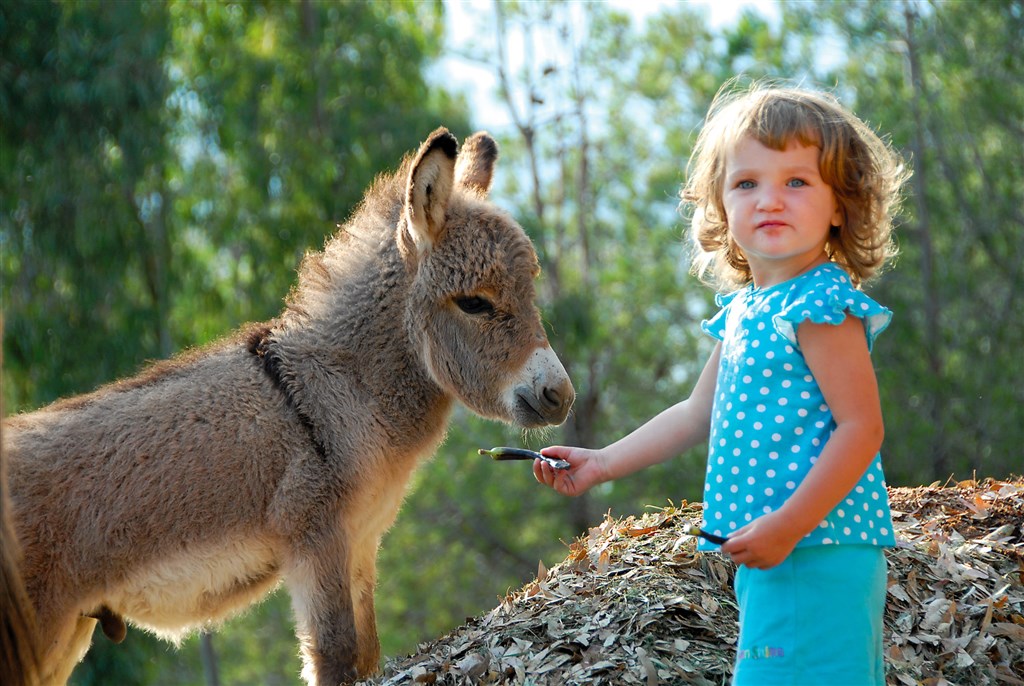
(813, 620)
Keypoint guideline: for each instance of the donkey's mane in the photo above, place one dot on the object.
(359, 243)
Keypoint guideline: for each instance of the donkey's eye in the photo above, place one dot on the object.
(471, 304)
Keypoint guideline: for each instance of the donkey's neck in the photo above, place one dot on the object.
(344, 341)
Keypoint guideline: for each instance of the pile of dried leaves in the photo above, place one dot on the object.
(635, 603)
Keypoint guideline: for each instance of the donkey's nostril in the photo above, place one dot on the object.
(552, 397)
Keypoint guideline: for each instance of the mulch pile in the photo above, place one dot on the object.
(635, 603)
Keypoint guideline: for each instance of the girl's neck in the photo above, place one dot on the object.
(768, 275)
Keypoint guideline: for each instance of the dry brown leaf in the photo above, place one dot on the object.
(634, 602)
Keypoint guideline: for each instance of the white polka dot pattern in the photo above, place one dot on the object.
(769, 419)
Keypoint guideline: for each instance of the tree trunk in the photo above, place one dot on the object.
(934, 403)
(209, 656)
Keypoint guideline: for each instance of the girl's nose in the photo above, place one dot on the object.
(769, 199)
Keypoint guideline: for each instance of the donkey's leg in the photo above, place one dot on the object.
(72, 643)
(319, 581)
(364, 583)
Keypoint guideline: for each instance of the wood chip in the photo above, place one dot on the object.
(634, 602)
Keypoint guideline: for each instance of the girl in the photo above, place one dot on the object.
(792, 199)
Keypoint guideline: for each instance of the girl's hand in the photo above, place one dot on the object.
(587, 470)
(763, 543)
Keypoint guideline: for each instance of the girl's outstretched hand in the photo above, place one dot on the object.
(587, 470)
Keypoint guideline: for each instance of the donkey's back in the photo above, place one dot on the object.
(281, 453)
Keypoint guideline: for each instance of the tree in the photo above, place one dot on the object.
(287, 113)
(945, 81)
(83, 150)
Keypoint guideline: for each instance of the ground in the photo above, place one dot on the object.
(635, 603)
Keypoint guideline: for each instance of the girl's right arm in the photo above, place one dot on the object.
(674, 431)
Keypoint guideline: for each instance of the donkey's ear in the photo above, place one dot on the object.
(429, 188)
(475, 166)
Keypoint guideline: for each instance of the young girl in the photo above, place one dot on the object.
(792, 199)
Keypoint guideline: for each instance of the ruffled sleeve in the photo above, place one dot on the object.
(831, 305)
(715, 327)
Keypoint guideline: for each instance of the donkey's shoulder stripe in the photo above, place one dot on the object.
(258, 343)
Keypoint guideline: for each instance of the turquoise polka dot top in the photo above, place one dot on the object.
(769, 419)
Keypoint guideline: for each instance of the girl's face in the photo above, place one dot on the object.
(778, 208)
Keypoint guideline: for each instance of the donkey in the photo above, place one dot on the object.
(178, 497)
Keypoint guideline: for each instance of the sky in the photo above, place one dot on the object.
(721, 12)
(479, 82)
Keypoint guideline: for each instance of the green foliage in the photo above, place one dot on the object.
(945, 81)
(287, 113)
(81, 139)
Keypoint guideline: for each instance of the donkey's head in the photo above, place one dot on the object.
(471, 309)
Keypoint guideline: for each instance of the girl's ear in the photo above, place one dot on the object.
(838, 218)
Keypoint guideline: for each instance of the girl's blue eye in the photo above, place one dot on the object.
(797, 183)
(745, 185)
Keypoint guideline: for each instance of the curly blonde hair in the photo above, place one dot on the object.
(865, 174)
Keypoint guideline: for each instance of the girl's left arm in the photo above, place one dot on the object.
(838, 357)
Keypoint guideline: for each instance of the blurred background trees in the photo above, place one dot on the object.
(165, 165)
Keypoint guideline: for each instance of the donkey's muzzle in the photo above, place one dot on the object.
(544, 393)
(544, 404)
(550, 406)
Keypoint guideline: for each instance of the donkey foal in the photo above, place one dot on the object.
(176, 498)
